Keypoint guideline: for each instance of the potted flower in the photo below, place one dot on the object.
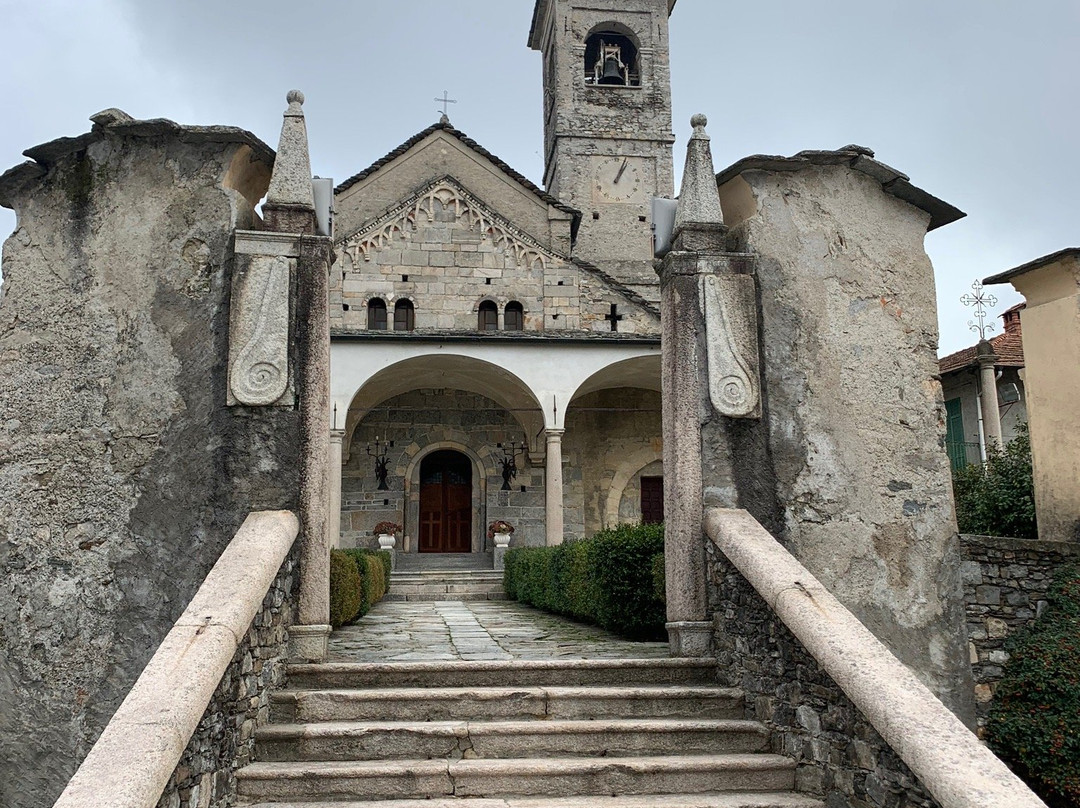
(385, 531)
(500, 531)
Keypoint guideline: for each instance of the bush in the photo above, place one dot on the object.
(1034, 721)
(346, 592)
(372, 573)
(998, 498)
(609, 579)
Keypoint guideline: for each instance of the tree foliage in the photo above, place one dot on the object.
(1034, 721)
(998, 498)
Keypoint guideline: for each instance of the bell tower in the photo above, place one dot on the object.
(607, 124)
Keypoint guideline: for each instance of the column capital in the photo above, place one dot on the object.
(337, 435)
(554, 433)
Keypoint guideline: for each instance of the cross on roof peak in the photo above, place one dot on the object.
(446, 101)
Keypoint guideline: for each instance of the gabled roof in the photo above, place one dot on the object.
(444, 126)
(1038, 263)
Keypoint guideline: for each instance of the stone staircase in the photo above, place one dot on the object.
(445, 576)
(515, 734)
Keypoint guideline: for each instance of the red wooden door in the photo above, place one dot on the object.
(652, 500)
(445, 503)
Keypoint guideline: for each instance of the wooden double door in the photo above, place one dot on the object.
(445, 503)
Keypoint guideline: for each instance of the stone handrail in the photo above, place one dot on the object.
(138, 751)
(944, 754)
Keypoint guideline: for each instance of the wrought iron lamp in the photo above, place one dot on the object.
(508, 461)
(381, 461)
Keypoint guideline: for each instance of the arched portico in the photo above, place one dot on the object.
(533, 379)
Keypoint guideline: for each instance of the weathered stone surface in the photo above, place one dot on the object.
(259, 372)
(122, 473)
(853, 406)
(1019, 573)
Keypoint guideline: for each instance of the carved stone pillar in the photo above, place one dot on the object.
(553, 486)
(333, 516)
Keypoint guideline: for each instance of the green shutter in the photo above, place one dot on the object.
(954, 434)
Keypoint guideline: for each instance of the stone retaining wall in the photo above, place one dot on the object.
(225, 738)
(1005, 586)
(840, 756)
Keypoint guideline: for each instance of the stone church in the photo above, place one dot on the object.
(496, 346)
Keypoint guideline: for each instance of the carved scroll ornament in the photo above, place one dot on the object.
(259, 370)
(730, 310)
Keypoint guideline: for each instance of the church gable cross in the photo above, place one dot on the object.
(446, 101)
(614, 317)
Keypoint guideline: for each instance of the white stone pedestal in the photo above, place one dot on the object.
(690, 638)
(502, 544)
(388, 542)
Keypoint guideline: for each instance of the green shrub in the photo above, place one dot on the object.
(372, 569)
(609, 579)
(1034, 721)
(346, 589)
(998, 498)
(659, 579)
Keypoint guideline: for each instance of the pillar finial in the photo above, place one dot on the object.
(290, 184)
(699, 200)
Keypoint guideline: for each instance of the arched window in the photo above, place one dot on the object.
(376, 314)
(404, 316)
(514, 316)
(611, 59)
(488, 317)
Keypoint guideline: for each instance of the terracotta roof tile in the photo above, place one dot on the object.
(1009, 348)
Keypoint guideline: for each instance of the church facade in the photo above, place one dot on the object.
(495, 349)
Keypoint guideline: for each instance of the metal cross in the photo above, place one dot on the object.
(614, 317)
(979, 300)
(446, 100)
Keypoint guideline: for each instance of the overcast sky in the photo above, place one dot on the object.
(976, 100)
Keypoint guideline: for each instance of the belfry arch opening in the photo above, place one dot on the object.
(612, 57)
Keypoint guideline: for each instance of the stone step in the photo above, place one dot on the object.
(357, 740)
(431, 597)
(444, 561)
(761, 799)
(417, 779)
(451, 587)
(489, 703)
(510, 673)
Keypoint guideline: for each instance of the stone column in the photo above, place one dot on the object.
(333, 520)
(553, 486)
(988, 399)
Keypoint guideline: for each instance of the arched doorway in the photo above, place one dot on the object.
(445, 503)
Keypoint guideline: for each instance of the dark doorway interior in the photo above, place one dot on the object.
(445, 503)
(652, 500)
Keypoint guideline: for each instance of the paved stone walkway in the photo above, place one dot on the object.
(481, 630)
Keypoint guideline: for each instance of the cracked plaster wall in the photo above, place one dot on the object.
(122, 473)
(854, 408)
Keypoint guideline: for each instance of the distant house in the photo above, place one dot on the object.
(960, 384)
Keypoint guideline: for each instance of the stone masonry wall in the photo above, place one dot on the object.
(1005, 586)
(839, 755)
(123, 474)
(611, 437)
(423, 421)
(225, 738)
(446, 253)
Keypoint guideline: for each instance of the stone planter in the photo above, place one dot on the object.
(502, 544)
(388, 542)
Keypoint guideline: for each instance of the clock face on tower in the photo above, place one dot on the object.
(617, 179)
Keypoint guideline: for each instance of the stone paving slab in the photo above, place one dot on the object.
(476, 630)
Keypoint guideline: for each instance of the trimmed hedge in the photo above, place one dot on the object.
(1034, 721)
(609, 579)
(358, 580)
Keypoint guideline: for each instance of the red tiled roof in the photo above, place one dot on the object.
(1009, 348)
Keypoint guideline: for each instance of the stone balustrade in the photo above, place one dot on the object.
(137, 755)
(862, 726)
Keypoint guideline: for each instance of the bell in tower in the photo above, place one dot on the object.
(610, 68)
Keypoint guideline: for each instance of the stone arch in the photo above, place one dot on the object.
(632, 465)
(613, 40)
(446, 371)
(639, 371)
(483, 466)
